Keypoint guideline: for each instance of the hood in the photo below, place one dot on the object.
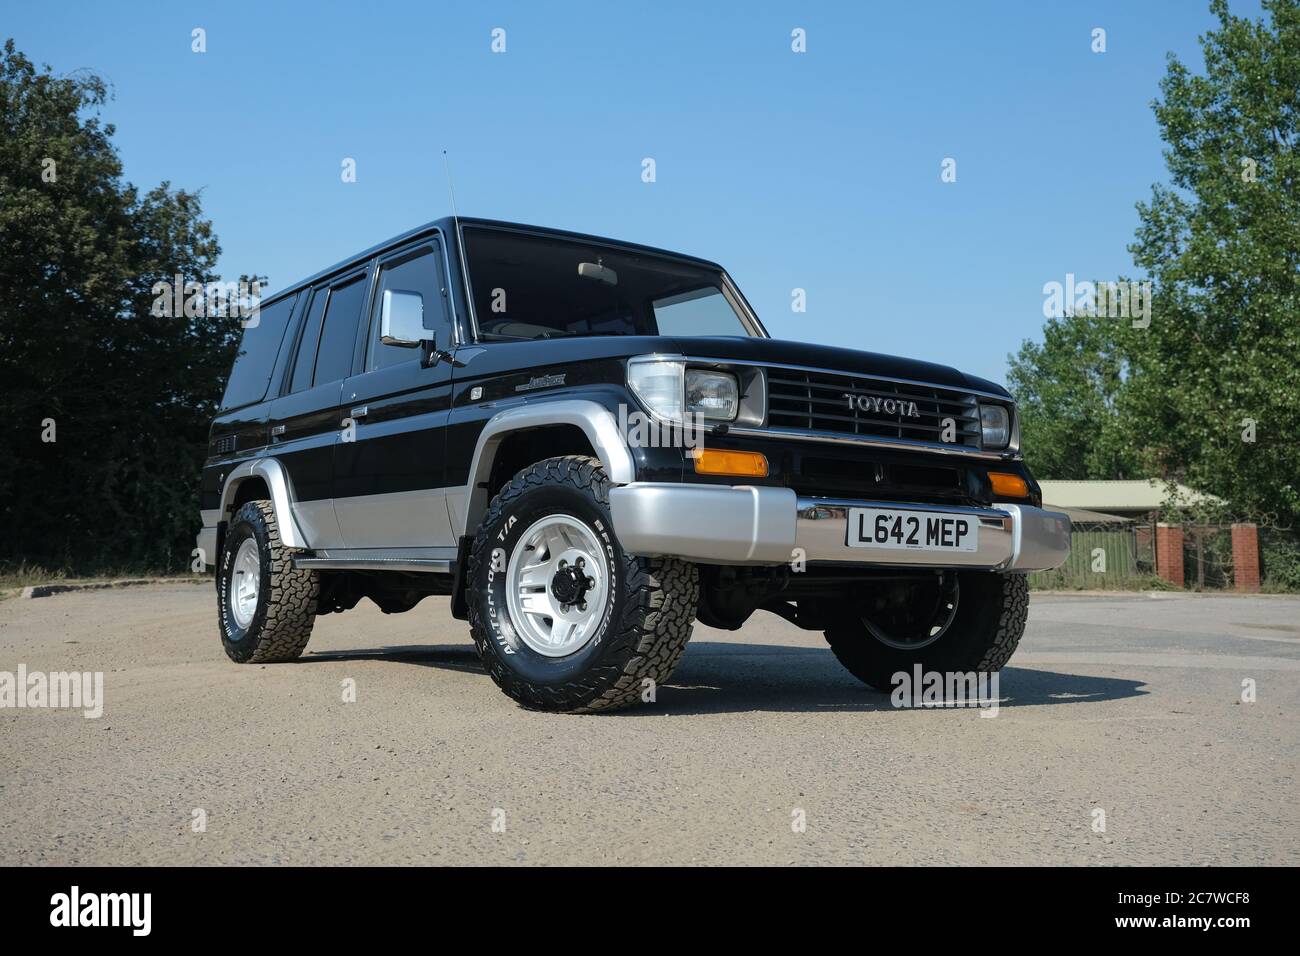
(782, 352)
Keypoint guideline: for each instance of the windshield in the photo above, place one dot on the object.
(537, 287)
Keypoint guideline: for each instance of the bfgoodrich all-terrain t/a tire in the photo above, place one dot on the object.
(562, 618)
(981, 636)
(265, 606)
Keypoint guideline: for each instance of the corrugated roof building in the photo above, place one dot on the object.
(1132, 498)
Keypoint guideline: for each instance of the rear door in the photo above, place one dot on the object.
(389, 476)
(306, 423)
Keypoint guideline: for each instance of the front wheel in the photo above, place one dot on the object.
(954, 624)
(265, 606)
(562, 618)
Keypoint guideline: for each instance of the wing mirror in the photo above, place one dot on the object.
(401, 323)
(402, 320)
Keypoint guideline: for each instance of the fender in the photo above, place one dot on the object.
(596, 422)
(277, 480)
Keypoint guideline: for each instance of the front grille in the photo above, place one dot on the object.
(805, 400)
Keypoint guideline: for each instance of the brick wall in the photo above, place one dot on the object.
(1245, 556)
(1169, 553)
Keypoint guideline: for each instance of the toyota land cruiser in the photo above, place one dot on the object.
(589, 445)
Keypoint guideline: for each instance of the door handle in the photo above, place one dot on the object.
(360, 411)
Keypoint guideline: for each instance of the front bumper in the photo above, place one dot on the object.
(721, 524)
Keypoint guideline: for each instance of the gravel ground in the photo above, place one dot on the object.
(1130, 704)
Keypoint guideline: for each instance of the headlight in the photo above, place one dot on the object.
(995, 426)
(658, 383)
(671, 391)
(712, 395)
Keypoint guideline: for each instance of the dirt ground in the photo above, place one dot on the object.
(1122, 709)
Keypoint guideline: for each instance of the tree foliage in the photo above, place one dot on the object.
(1219, 364)
(130, 394)
(1067, 390)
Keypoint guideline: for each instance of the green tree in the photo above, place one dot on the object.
(126, 394)
(1222, 244)
(1067, 389)
(1219, 363)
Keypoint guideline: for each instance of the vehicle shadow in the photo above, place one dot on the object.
(723, 677)
(451, 657)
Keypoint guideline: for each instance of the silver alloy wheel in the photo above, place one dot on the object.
(245, 580)
(557, 583)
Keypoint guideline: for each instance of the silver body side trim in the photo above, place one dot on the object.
(399, 519)
(595, 421)
(319, 523)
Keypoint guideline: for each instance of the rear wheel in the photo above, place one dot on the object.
(955, 623)
(265, 606)
(562, 618)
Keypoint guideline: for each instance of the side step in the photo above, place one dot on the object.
(339, 561)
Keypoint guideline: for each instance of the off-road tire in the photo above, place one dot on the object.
(286, 601)
(991, 613)
(649, 615)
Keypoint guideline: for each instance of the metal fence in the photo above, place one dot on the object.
(1120, 555)
(1102, 556)
(1207, 557)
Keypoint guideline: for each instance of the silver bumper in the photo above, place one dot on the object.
(722, 524)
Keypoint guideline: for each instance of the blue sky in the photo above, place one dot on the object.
(818, 170)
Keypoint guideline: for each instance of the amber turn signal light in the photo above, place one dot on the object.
(744, 464)
(1007, 485)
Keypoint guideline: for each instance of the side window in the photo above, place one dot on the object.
(306, 358)
(338, 337)
(417, 272)
(256, 356)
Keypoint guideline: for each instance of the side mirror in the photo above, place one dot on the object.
(402, 320)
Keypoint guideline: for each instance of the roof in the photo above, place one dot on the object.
(447, 225)
(1084, 516)
(1141, 494)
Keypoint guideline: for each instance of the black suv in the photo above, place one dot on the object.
(590, 444)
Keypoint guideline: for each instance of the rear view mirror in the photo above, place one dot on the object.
(402, 319)
(601, 273)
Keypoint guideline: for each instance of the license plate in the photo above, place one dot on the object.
(912, 530)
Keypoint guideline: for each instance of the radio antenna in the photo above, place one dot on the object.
(460, 240)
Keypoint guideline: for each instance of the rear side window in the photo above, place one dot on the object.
(338, 338)
(258, 348)
(306, 359)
